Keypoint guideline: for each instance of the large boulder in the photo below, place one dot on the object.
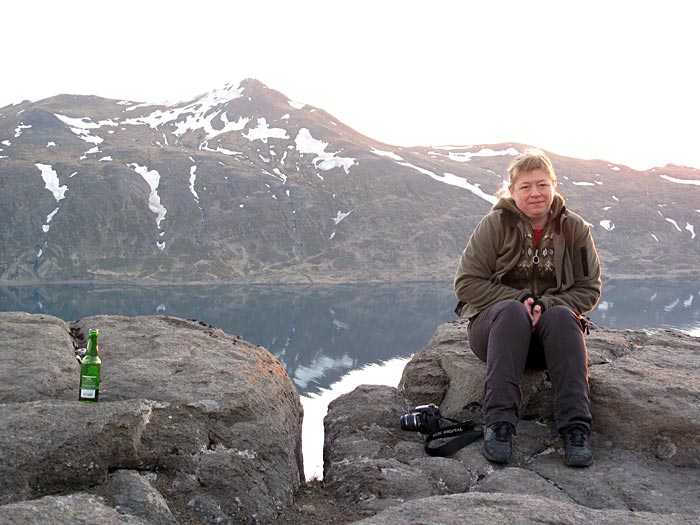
(644, 392)
(208, 421)
(644, 387)
(36, 359)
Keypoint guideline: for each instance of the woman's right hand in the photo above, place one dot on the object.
(535, 312)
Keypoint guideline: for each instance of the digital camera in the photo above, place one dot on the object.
(424, 419)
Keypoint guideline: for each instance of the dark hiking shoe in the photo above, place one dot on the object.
(497, 442)
(577, 453)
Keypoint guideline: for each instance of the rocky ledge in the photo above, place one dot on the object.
(196, 426)
(645, 392)
(193, 425)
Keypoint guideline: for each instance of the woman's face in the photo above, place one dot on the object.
(533, 193)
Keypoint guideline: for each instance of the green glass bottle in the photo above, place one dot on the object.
(90, 371)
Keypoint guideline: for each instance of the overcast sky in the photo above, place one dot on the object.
(616, 80)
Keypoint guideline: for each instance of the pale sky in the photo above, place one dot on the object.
(615, 79)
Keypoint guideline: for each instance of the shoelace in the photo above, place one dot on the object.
(576, 437)
(502, 431)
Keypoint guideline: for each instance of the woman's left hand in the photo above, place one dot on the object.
(535, 311)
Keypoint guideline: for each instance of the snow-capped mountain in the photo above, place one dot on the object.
(243, 184)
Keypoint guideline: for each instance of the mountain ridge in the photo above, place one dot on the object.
(242, 184)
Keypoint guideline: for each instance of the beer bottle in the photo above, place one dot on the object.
(90, 371)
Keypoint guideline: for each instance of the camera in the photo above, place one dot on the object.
(424, 419)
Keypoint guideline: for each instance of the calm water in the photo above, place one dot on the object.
(320, 333)
(333, 338)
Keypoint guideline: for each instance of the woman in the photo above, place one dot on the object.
(528, 274)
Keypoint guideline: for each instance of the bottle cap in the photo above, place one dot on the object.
(93, 331)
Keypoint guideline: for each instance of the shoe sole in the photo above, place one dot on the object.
(495, 459)
(579, 464)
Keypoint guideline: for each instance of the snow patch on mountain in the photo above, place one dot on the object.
(20, 128)
(49, 217)
(466, 156)
(324, 160)
(454, 180)
(51, 182)
(681, 181)
(607, 224)
(340, 216)
(193, 178)
(199, 113)
(691, 229)
(675, 224)
(205, 147)
(152, 178)
(278, 175)
(389, 154)
(82, 127)
(582, 183)
(50, 177)
(263, 132)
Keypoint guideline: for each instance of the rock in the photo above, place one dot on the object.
(215, 417)
(649, 400)
(53, 447)
(446, 372)
(368, 459)
(196, 426)
(37, 361)
(521, 481)
(133, 494)
(73, 509)
(644, 393)
(514, 509)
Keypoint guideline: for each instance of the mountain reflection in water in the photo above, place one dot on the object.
(322, 332)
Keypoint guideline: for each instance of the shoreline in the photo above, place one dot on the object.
(673, 278)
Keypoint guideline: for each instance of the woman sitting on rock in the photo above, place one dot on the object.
(528, 274)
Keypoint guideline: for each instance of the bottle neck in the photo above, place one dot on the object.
(92, 345)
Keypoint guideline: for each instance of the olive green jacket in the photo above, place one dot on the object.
(497, 245)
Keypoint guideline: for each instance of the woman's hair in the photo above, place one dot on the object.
(528, 160)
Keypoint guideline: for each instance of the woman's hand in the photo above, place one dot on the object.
(535, 312)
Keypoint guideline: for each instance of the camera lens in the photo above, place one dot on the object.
(410, 421)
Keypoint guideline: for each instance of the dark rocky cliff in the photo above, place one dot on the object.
(242, 184)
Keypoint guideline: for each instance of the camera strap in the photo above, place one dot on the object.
(463, 433)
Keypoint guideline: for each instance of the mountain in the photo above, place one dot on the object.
(243, 185)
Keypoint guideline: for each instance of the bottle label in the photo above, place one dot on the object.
(87, 394)
(88, 386)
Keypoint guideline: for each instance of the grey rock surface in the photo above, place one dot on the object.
(29, 344)
(134, 494)
(72, 509)
(514, 509)
(644, 392)
(649, 399)
(214, 416)
(197, 426)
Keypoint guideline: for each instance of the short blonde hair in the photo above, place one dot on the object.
(528, 160)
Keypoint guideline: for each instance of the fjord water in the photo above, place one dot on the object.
(321, 332)
(332, 338)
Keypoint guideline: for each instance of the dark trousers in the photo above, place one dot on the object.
(503, 337)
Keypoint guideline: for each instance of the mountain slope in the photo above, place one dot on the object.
(242, 184)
